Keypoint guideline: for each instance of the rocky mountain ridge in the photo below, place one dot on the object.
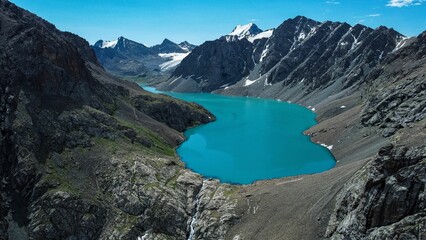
(127, 58)
(377, 189)
(302, 61)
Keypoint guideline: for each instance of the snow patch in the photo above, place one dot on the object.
(265, 34)
(174, 80)
(109, 44)
(266, 82)
(401, 43)
(264, 52)
(301, 36)
(242, 30)
(249, 82)
(326, 146)
(174, 59)
(144, 237)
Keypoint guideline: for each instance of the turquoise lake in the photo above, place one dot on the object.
(252, 139)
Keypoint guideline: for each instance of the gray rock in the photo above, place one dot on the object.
(383, 197)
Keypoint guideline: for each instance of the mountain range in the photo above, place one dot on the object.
(125, 57)
(302, 61)
(85, 154)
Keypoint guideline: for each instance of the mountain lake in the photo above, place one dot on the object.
(252, 139)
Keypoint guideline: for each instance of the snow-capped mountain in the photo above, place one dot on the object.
(249, 31)
(172, 60)
(242, 31)
(129, 58)
(106, 44)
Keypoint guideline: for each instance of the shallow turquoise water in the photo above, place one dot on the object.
(252, 139)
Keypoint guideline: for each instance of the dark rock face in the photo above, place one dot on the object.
(78, 160)
(399, 96)
(176, 115)
(216, 63)
(384, 198)
(168, 46)
(187, 46)
(301, 48)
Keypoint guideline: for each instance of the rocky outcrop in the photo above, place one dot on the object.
(215, 211)
(397, 90)
(177, 115)
(385, 198)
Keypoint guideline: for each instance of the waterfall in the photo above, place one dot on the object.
(196, 214)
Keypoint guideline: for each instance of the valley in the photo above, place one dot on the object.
(87, 154)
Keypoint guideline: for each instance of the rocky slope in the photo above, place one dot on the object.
(124, 57)
(84, 155)
(302, 61)
(386, 198)
(377, 189)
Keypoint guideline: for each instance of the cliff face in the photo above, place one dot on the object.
(214, 65)
(396, 91)
(84, 155)
(385, 199)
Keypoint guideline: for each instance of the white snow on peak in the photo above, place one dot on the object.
(174, 59)
(245, 31)
(401, 43)
(109, 44)
(242, 30)
(265, 34)
(184, 48)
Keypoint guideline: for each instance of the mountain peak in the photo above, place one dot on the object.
(106, 44)
(167, 42)
(186, 46)
(245, 30)
(168, 46)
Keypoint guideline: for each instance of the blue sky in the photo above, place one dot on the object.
(150, 21)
